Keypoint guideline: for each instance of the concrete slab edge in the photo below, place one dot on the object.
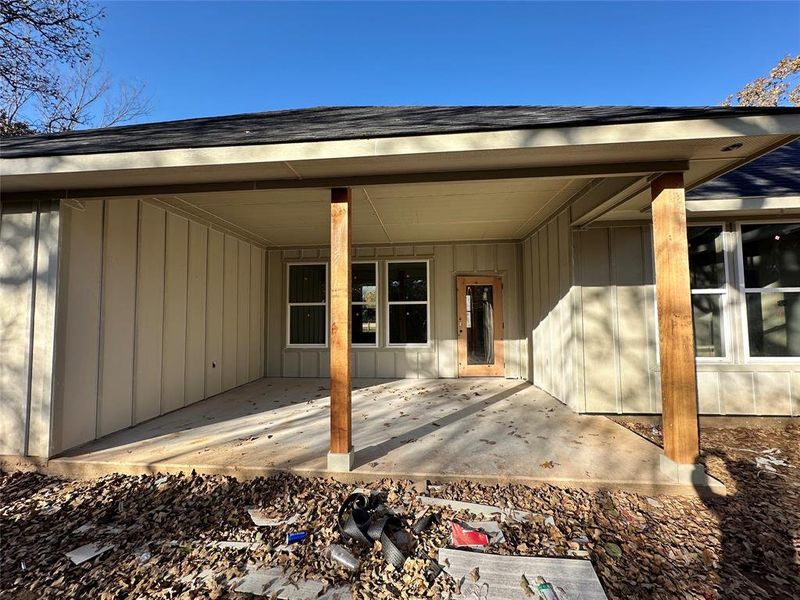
(66, 468)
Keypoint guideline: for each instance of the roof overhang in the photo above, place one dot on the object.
(596, 169)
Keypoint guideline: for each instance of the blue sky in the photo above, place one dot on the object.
(211, 58)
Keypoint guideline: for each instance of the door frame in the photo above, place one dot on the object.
(498, 369)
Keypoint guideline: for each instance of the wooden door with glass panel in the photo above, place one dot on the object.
(480, 327)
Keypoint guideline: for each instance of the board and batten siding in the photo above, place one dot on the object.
(617, 317)
(440, 357)
(143, 307)
(28, 276)
(549, 311)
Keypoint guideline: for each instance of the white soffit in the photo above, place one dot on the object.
(430, 212)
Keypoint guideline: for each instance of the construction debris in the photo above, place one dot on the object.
(87, 552)
(343, 556)
(520, 516)
(261, 518)
(464, 536)
(688, 547)
(493, 576)
(769, 460)
(274, 583)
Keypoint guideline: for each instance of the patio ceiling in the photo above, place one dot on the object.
(433, 212)
(457, 210)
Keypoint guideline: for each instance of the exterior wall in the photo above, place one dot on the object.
(617, 314)
(141, 316)
(549, 305)
(439, 358)
(28, 275)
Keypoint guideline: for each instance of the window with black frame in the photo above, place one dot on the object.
(407, 297)
(770, 261)
(709, 289)
(364, 315)
(308, 309)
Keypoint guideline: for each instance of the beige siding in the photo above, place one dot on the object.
(173, 360)
(214, 313)
(230, 309)
(28, 275)
(546, 257)
(42, 354)
(149, 313)
(439, 357)
(243, 315)
(17, 237)
(617, 315)
(115, 401)
(614, 279)
(79, 307)
(275, 298)
(196, 313)
(156, 282)
(255, 365)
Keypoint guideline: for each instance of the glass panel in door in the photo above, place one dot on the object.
(480, 325)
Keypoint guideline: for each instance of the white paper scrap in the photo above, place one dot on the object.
(260, 518)
(87, 552)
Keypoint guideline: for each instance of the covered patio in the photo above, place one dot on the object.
(338, 245)
(489, 430)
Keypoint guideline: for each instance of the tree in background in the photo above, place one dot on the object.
(780, 88)
(51, 78)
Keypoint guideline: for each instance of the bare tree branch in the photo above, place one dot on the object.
(50, 78)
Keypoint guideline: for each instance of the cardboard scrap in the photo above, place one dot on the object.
(500, 576)
(261, 519)
(273, 582)
(87, 552)
(520, 516)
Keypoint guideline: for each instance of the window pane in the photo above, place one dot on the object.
(706, 262)
(771, 255)
(408, 323)
(364, 324)
(408, 281)
(364, 286)
(307, 283)
(773, 324)
(708, 340)
(306, 324)
(480, 325)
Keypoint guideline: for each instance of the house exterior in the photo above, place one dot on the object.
(625, 260)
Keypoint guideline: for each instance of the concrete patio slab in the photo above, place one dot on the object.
(489, 430)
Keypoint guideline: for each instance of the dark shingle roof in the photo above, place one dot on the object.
(354, 122)
(774, 174)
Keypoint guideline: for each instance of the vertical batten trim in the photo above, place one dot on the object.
(31, 332)
(101, 324)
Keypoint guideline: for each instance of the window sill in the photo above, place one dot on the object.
(306, 347)
(425, 345)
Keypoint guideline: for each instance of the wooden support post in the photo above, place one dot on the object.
(340, 457)
(676, 333)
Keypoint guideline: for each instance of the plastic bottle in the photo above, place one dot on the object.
(545, 589)
(343, 556)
